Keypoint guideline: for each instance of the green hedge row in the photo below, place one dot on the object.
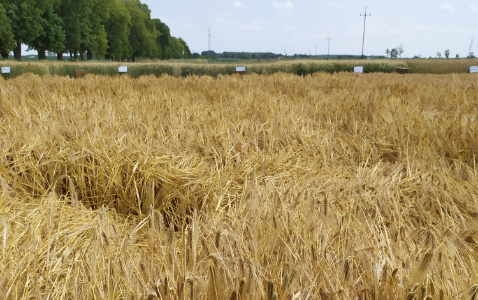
(97, 69)
(298, 69)
(423, 66)
(373, 67)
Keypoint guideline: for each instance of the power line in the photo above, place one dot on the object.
(364, 19)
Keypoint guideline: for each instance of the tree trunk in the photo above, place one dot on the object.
(82, 56)
(4, 55)
(75, 56)
(89, 55)
(59, 56)
(17, 52)
(41, 55)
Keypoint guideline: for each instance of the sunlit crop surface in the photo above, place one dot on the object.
(344, 186)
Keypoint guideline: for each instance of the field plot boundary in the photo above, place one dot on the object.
(200, 68)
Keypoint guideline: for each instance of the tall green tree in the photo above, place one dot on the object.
(26, 21)
(70, 14)
(83, 22)
(178, 48)
(87, 38)
(447, 53)
(114, 28)
(394, 53)
(185, 51)
(118, 32)
(163, 40)
(51, 36)
(98, 17)
(170, 46)
(142, 31)
(7, 43)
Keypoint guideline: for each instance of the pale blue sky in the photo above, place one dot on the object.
(423, 27)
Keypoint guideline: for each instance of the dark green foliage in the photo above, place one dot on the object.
(373, 67)
(74, 25)
(109, 69)
(118, 32)
(168, 46)
(143, 32)
(7, 43)
(270, 69)
(115, 29)
(163, 40)
(301, 70)
(25, 18)
(51, 36)
(243, 55)
(181, 49)
(440, 66)
(213, 71)
(146, 70)
(84, 24)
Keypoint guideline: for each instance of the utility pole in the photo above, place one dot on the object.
(470, 50)
(209, 40)
(328, 48)
(364, 19)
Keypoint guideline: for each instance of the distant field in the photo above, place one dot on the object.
(330, 186)
(214, 68)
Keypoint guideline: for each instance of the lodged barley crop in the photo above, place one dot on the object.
(338, 186)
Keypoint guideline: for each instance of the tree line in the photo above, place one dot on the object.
(269, 55)
(114, 29)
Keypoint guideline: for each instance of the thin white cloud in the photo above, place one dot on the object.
(474, 7)
(283, 5)
(256, 25)
(336, 4)
(238, 4)
(225, 21)
(422, 27)
(448, 7)
(433, 29)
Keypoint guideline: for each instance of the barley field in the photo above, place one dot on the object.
(330, 186)
(214, 68)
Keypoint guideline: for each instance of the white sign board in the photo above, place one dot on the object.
(474, 69)
(5, 70)
(240, 69)
(123, 69)
(358, 69)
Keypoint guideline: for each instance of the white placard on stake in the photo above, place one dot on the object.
(474, 69)
(358, 69)
(5, 70)
(240, 69)
(123, 69)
